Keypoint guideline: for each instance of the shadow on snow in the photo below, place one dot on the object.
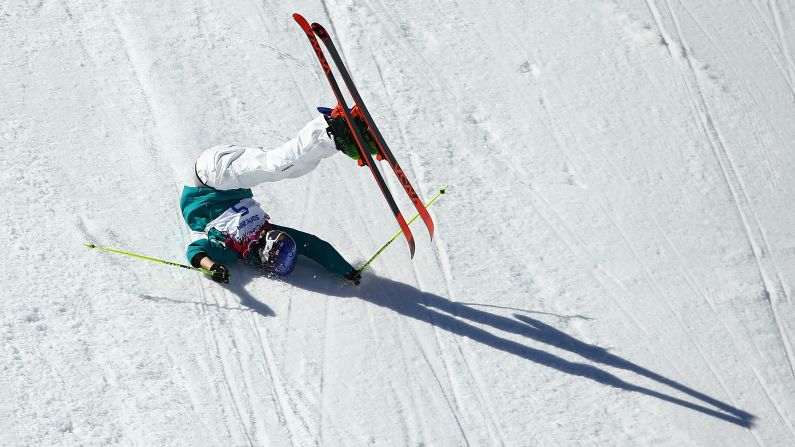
(459, 319)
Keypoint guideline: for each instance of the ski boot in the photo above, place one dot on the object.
(343, 138)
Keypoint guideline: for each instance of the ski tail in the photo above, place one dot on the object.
(360, 110)
(357, 136)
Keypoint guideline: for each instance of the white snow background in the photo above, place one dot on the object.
(614, 262)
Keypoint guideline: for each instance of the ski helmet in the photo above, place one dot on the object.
(277, 252)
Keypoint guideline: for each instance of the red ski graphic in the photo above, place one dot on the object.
(364, 114)
(359, 139)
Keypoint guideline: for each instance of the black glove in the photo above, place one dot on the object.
(354, 276)
(220, 273)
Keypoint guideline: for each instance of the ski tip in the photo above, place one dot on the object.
(90, 245)
(301, 21)
(320, 31)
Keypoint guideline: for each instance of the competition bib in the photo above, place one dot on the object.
(241, 221)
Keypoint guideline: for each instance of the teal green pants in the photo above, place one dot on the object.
(317, 250)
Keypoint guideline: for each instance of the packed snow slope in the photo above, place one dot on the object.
(614, 263)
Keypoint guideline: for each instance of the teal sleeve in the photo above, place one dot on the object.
(217, 252)
(317, 250)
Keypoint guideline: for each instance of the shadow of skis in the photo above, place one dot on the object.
(459, 319)
(547, 334)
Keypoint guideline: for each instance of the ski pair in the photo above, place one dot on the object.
(313, 32)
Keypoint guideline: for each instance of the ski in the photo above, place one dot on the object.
(358, 138)
(364, 114)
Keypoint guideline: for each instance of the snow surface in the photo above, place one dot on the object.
(614, 262)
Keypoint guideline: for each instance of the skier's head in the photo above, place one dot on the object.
(277, 252)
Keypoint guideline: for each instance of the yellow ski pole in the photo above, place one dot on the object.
(378, 253)
(147, 258)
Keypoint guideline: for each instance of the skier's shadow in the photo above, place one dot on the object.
(240, 277)
(458, 319)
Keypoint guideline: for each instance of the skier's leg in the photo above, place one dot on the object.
(318, 250)
(233, 167)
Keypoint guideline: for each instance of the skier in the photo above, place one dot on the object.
(221, 203)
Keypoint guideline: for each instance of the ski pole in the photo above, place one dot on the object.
(378, 253)
(205, 271)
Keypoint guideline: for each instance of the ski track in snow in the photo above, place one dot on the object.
(774, 291)
(488, 413)
(786, 73)
(755, 233)
(417, 275)
(653, 282)
(453, 406)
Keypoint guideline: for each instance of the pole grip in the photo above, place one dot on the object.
(381, 250)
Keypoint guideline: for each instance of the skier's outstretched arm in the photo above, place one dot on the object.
(198, 255)
(220, 272)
